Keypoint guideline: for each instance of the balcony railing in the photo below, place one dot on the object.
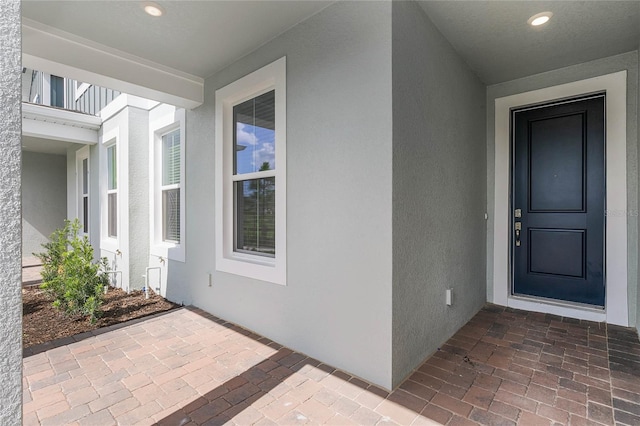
(50, 90)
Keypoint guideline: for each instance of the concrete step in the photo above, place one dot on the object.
(30, 262)
(31, 268)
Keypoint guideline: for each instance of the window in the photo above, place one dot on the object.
(112, 187)
(83, 188)
(254, 156)
(250, 175)
(167, 167)
(85, 195)
(171, 186)
(57, 91)
(112, 192)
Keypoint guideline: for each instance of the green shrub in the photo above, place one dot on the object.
(69, 273)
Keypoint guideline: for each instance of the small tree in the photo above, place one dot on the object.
(69, 273)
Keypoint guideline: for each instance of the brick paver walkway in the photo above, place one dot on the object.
(188, 367)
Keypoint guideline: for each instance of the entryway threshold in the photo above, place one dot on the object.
(554, 307)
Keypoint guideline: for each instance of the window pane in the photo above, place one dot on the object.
(255, 216)
(57, 91)
(254, 134)
(85, 176)
(171, 215)
(112, 214)
(85, 214)
(171, 158)
(112, 168)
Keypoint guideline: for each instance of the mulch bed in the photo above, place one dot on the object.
(41, 322)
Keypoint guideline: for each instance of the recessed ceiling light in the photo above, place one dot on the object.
(539, 19)
(153, 9)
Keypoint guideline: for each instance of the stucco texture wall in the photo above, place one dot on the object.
(638, 194)
(439, 174)
(10, 239)
(44, 198)
(337, 302)
(138, 200)
(116, 126)
(627, 61)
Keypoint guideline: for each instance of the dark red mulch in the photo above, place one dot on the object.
(41, 322)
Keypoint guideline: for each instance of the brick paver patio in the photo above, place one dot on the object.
(188, 367)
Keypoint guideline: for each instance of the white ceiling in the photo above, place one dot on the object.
(46, 146)
(495, 40)
(196, 37)
(202, 37)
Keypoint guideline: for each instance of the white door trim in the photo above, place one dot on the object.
(616, 306)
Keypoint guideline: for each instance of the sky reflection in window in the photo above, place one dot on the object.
(254, 139)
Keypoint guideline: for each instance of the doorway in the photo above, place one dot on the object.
(500, 211)
(559, 201)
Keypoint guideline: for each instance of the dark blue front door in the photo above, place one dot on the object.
(558, 201)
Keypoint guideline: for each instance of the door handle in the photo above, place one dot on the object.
(518, 228)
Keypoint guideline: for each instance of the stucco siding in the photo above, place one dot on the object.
(116, 250)
(638, 189)
(336, 305)
(44, 198)
(138, 200)
(10, 239)
(438, 189)
(624, 62)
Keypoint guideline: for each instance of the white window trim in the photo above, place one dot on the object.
(106, 242)
(616, 303)
(81, 155)
(274, 270)
(46, 90)
(111, 192)
(164, 119)
(65, 85)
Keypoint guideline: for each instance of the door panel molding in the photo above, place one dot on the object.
(537, 161)
(550, 239)
(616, 303)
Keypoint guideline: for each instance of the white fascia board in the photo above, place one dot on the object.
(59, 124)
(58, 132)
(60, 116)
(123, 101)
(57, 52)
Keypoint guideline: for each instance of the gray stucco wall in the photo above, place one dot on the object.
(439, 189)
(138, 202)
(638, 134)
(44, 198)
(626, 61)
(10, 238)
(337, 304)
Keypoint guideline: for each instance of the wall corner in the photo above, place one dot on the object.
(10, 214)
(637, 323)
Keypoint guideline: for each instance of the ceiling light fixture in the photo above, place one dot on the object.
(153, 9)
(539, 19)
